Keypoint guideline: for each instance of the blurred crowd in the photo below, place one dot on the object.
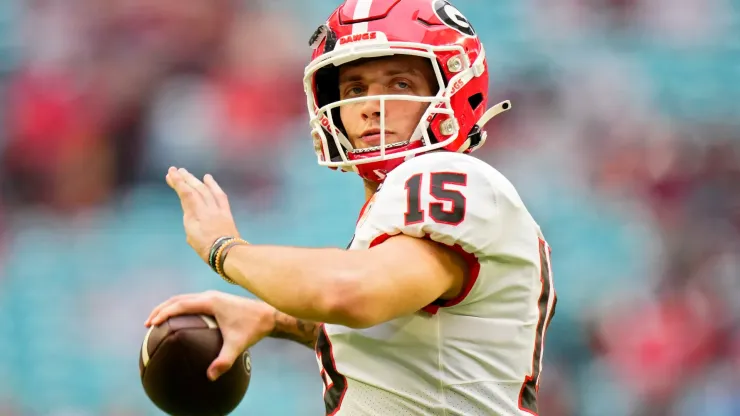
(624, 142)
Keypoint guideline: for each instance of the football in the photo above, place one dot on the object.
(173, 361)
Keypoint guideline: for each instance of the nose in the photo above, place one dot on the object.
(371, 108)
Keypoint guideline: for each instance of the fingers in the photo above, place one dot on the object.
(200, 187)
(218, 193)
(180, 305)
(209, 192)
(159, 307)
(229, 353)
(190, 198)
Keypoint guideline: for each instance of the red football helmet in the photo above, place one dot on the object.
(433, 29)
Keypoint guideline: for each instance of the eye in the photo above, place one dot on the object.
(353, 91)
(403, 85)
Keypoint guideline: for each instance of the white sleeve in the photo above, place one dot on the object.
(445, 197)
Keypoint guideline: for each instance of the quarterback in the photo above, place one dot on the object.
(440, 304)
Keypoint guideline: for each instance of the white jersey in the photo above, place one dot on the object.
(478, 354)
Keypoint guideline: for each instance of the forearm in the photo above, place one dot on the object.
(306, 283)
(294, 329)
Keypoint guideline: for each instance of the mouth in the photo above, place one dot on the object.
(377, 148)
(372, 136)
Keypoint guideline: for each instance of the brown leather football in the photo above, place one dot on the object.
(173, 361)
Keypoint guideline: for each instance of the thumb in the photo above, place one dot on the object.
(229, 353)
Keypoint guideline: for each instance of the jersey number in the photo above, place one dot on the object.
(438, 182)
(528, 393)
(335, 384)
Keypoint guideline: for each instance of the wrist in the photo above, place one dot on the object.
(229, 263)
(268, 319)
(218, 253)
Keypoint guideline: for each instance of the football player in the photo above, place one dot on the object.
(441, 302)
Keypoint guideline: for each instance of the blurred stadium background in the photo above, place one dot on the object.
(624, 141)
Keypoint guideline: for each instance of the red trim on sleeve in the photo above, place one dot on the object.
(473, 267)
(380, 240)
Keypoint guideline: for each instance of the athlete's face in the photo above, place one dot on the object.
(400, 74)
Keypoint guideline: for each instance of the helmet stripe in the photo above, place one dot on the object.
(362, 11)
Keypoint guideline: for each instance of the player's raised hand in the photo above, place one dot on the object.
(206, 212)
(243, 322)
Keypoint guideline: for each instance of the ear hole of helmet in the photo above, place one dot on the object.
(475, 100)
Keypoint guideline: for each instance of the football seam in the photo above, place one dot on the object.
(210, 324)
(161, 342)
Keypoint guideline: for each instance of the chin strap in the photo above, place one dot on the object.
(477, 136)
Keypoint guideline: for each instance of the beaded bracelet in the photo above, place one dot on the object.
(218, 253)
(214, 249)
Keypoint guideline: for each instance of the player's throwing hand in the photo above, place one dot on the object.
(206, 212)
(243, 322)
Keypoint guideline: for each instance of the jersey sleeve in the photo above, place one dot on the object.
(444, 197)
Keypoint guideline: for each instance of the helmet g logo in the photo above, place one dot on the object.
(452, 17)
